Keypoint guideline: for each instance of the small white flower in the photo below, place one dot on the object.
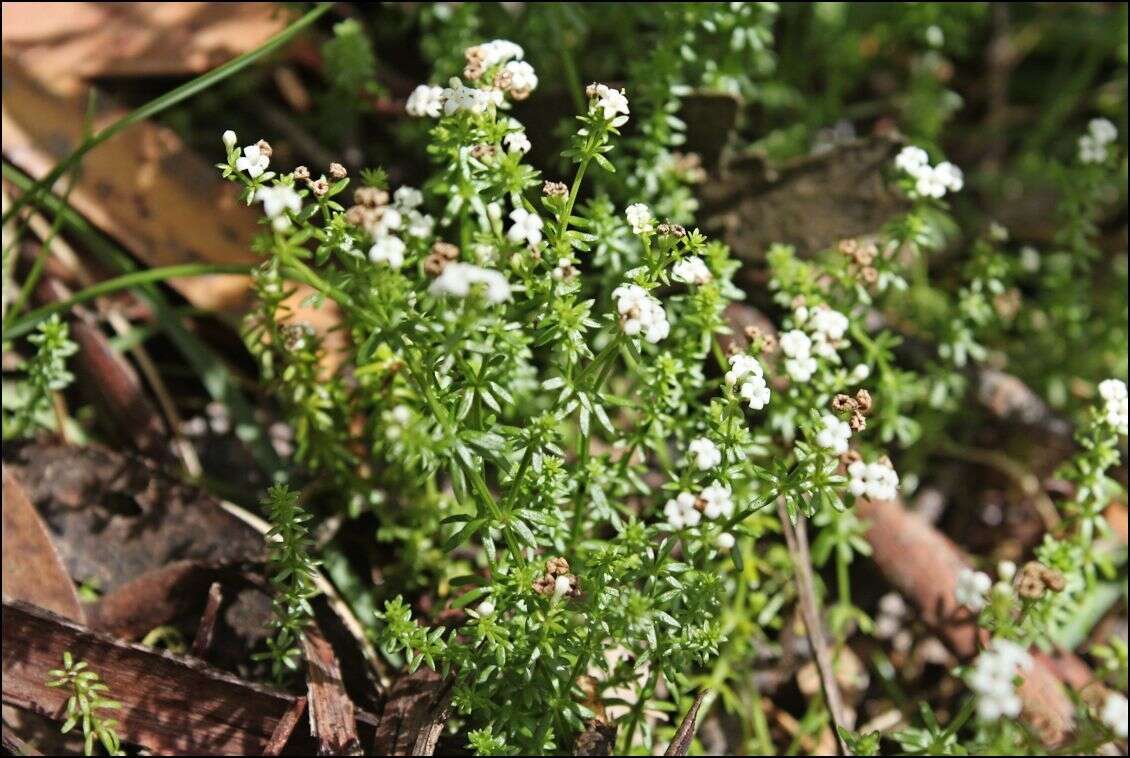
(1115, 406)
(860, 373)
(253, 161)
(741, 365)
(1103, 130)
(971, 588)
(800, 369)
(755, 391)
(230, 139)
(833, 435)
(993, 679)
(486, 608)
(527, 227)
(706, 453)
(1091, 150)
(912, 159)
(388, 250)
(929, 183)
(522, 76)
(458, 97)
(613, 103)
(935, 37)
(390, 221)
(458, 278)
(517, 142)
(499, 50)
(725, 541)
(639, 216)
(680, 511)
(562, 586)
(1114, 714)
(950, 175)
(640, 313)
(1030, 259)
(407, 198)
(830, 323)
(875, 481)
(425, 100)
(1006, 570)
(719, 501)
(796, 344)
(278, 200)
(420, 225)
(691, 270)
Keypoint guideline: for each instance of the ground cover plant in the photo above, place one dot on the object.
(602, 379)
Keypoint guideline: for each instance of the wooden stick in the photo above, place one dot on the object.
(797, 540)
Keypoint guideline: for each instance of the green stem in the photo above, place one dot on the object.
(26, 323)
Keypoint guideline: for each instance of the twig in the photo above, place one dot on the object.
(207, 627)
(797, 540)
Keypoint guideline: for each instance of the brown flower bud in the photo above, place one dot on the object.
(545, 584)
(301, 173)
(264, 148)
(518, 95)
(863, 401)
(445, 250)
(320, 187)
(370, 196)
(473, 71)
(554, 189)
(557, 566)
(1053, 579)
(1030, 581)
(474, 54)
(503, 79)
(843, 403)
(434, 264)
(482, 151)
(857, 422)
(869, 274)
(672, 230)
(338, 172)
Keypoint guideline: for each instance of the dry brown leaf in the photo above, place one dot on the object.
(32, 569)
(65, 43)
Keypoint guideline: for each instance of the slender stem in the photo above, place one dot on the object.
(26, 323)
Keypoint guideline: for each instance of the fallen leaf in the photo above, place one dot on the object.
(32, 569)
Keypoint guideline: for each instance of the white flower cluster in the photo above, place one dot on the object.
(431, 101)
(396, 421)
(517, 142)
(1113, 393)
(993, 679)
(691, 270)
(407, 201)
(875, 481)
(499, 51)
(929, 181)
(1101, 133)
(458, 278)
(825, 327)
(746, 371)
(1114, 714)
(706, 454)
(972, 586)
(527, 227)
(833, 434)
(639, 216)
(388, 249)
(425, 100)
(613, 103)
(276, 202)
(640, 313)
(686, 510)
